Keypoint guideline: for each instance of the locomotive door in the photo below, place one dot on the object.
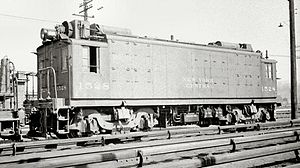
(269, 83)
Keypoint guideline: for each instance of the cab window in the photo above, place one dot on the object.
(90, 59)
(269, 70)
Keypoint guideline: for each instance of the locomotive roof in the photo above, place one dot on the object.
(144, 39)
(216, 45)
(100, 33)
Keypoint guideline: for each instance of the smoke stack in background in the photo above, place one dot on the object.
(4, 76)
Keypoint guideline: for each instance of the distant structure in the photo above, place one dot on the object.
(9, 121)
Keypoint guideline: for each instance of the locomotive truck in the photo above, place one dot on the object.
(96, 79)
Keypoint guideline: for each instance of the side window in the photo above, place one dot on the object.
(64, 57)
(269, 70)
(93, 59)
(90, 59)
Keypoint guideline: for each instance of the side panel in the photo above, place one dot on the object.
(232, 74)
(146, 70)
(140, 71)
(159, 66)
(131, 69)
(88, 84)
(121, 74)
(219, 74)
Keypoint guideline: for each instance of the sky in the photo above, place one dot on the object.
(201, 21)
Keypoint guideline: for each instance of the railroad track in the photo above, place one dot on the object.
(190, 152)
(158, 134)
(168, 151)
(61, 144)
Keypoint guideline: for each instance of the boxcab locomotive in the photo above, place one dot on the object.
(98, 79)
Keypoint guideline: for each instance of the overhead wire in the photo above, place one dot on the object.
(28, 18)
(51, 21)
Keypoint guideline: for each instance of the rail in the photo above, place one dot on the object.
(245, 158)
(293, 166)
(166, 153)
(19, 147)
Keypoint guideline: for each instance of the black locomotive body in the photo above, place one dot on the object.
(95, 79)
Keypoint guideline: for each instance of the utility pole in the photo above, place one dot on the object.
(86, 7)
(293, 61)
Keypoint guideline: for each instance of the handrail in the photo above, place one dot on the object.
(48, 85)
